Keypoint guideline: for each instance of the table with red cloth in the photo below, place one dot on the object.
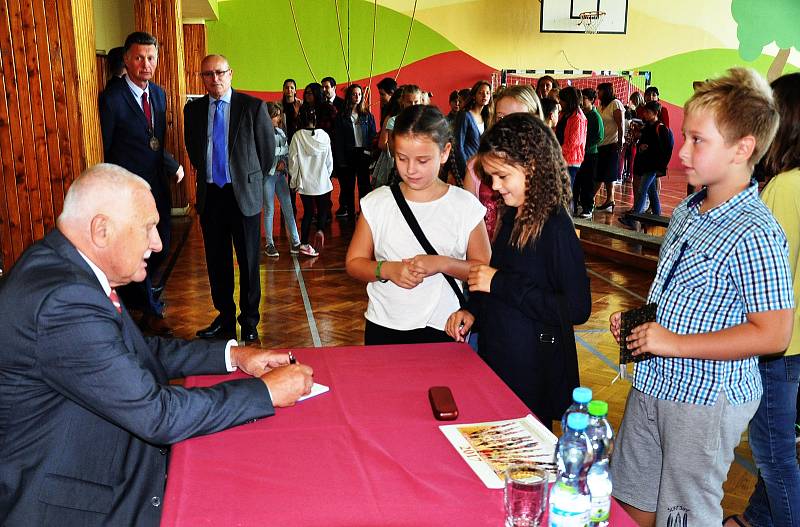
(367, 453)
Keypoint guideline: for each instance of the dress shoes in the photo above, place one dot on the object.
(218, 330)
(154, 325)
(249, 334)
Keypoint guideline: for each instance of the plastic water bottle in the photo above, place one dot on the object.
(569, 498)
(601, 436)
(580, 399)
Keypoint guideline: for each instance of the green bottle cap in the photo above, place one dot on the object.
(598, 408)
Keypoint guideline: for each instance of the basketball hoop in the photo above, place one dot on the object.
(591, 21)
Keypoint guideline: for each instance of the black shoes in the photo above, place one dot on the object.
(221, 330)
(249, 334)
(218, 330)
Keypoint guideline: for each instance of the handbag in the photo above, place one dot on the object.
(383, 172)
(426, 245)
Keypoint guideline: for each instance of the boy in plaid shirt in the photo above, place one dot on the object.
(724, 295)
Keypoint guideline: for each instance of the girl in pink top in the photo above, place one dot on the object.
(571, 130)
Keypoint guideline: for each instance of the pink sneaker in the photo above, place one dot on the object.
(319, 240)
(307, 250)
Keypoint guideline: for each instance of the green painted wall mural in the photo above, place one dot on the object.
(674, 75)
(262, 46)
(763, 22)
(456, 42)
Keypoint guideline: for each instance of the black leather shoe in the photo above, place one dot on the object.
(249, 334)
(218, 330)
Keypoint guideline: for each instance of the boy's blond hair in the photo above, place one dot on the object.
(742, 105)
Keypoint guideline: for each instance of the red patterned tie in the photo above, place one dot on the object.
(115, 300)
(146, 108)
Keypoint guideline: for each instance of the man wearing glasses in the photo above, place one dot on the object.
(133, 122)
(231, 143)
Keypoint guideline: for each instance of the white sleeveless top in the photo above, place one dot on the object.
(447, 223)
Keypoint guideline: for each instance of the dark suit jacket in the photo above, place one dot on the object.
(251, 147)
(344, 137)
(338, 103)
(85, 407)
(126, 140)
(467, 138)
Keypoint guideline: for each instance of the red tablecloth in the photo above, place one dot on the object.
(367, 453)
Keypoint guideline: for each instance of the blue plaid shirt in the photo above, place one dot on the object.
(713, 269)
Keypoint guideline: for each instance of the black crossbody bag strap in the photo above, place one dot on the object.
(415, 228)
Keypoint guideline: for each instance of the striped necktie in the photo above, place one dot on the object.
(115, 300)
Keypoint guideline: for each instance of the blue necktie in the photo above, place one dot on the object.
(218, 146)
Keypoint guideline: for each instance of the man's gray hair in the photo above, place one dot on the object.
(99, 186)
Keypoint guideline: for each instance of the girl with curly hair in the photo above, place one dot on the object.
(507, 100)
(535, 287)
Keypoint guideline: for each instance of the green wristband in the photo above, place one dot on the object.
(378, 272)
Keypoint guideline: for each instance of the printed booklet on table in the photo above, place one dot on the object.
(488, 448)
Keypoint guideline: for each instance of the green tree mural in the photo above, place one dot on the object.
(761, 23)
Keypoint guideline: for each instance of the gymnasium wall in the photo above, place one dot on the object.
(453, 43)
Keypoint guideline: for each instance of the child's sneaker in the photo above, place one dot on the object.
(319, 240)
(307, 250)
(271, 250)
(295, 249)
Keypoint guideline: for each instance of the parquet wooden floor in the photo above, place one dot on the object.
(337, 304)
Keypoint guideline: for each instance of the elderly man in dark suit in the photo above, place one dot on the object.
(87, 412)
(231, 143)
(133, 121)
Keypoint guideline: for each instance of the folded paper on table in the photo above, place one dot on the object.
(489, 447)
(317, 389)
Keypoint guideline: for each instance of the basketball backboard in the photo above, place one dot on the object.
(562, 16)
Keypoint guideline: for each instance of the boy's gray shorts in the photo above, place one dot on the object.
(672, 458)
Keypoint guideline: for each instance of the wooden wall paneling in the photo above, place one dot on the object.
(194, 49)
(86, 69)
(38, 183)
(62, 178)
(70, 128)
(50, 141)
(8, 194)
(162, 19)
(44, 95)
(20, 132)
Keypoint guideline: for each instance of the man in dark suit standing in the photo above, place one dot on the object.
(231, 143)
(133, 121)
(87, 412)
(329, 90)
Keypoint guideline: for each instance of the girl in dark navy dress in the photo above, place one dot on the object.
(535, 287)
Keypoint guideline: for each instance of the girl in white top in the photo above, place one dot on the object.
(409, 298)
(310, 167)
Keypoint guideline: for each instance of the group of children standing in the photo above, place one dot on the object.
(724, 290)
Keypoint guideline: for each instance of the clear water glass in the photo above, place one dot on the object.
(525, 495)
